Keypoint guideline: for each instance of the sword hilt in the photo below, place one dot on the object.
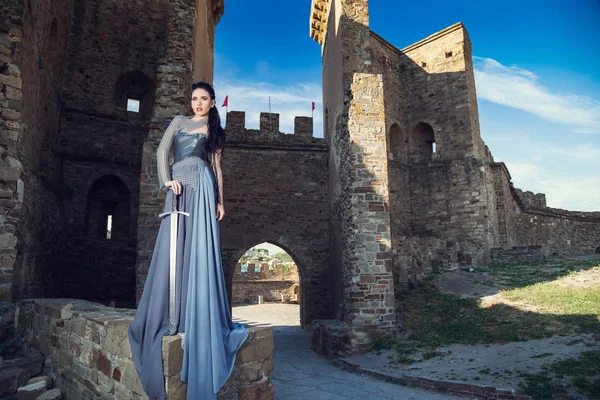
(174, 209)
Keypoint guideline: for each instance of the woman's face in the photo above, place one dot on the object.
(201, 102)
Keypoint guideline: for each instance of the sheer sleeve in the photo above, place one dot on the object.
(162, 154)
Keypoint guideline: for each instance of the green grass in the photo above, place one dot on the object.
(537, 306)
(581, 373)
(550, 297)
(439, 319)
(541, 387)
(509, 276)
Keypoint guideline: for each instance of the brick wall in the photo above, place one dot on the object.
(32, 71)
(278, 283)
(275, 189)
(88, 354)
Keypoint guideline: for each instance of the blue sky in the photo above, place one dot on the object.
(537, 73)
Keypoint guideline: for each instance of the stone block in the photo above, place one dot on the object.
(172, 353)
(79, 327)
(31, 391)
(262, 390)
(13, 94)
(11, 379)
(251, 372)
(258, 350)
(9, 114)
(12, 81)
(103, 364)
(52, 394)
(106, 384)
(117, 339)
(176, 389)
(9, 174)
(268, 367)
(130, 378)
(46, 379)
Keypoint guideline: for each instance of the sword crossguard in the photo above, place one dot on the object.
(165, 214)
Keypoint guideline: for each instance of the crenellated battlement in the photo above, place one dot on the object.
(269, 129)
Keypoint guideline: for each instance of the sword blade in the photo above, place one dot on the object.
(172, 269)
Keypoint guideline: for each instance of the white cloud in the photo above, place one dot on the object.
(288, 101)
(518, 88)
(575, 192)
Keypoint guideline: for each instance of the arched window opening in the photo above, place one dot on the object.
(266, 276)
(108, 226)
(134, 93)
(422, 143)
(108, 209)
(133, 105)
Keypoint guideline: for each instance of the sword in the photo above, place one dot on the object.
(173, 258)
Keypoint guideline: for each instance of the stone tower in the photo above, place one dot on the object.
(412, 186)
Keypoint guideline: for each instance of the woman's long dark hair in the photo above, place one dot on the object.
(216, 134)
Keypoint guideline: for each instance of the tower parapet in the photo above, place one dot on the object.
(269, 130)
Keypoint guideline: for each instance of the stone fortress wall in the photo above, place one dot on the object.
(400, 185)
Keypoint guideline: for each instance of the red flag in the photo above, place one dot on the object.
(225, 102)
(313, 105)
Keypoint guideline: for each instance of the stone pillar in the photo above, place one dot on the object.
(236, 121)
(359, 195)
(303, 126)
(269, 122)
(208, 13)
(172, 95)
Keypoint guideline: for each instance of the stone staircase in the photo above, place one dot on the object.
(20, 367)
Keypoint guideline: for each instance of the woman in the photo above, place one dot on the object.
(197, 302)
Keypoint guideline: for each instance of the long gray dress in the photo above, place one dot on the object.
(211, 339)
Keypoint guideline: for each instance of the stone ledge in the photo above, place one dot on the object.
(330, 338)
(468, 389)
(86, 347)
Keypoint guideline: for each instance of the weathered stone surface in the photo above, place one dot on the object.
(45, 379)
(130, 378)
(11, 379)
(276, 283)
(117, 339)
(12, 81)
(32, 390)
(260, 350)
(7, 114)
(85, 368)
(263, 390)
(172, 352)
(53, 394)
(251, 371)
(9, 174)
(176, 389)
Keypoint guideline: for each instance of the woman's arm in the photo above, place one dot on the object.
(219, 176)
(162, 154)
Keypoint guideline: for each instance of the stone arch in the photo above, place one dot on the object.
(397, 143)
(235, 256)
(597, 250)
(137, 86)
(108, 196)
(421, 143)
